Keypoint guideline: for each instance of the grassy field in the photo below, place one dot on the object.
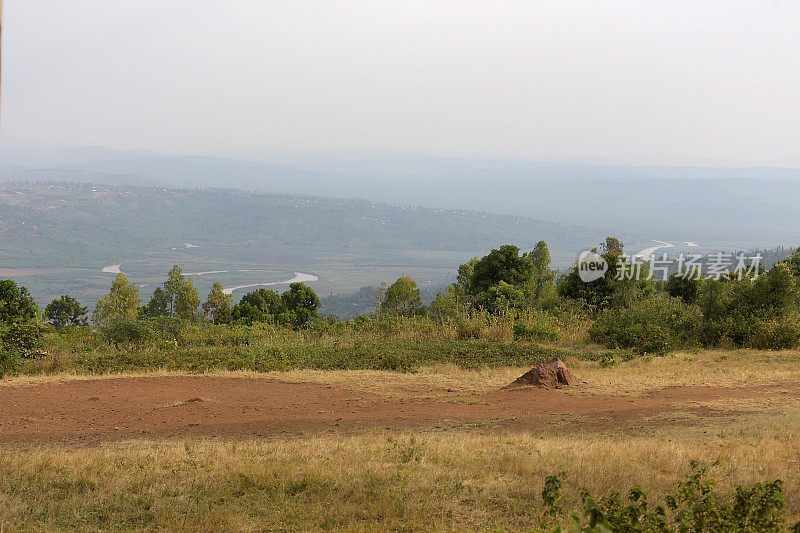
(377, 480)
(429, 478)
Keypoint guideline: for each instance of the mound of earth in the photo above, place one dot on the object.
(552, 375)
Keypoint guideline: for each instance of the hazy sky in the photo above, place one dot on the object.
(592, 79)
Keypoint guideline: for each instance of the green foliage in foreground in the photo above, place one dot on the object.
(693, 506)
(19, 332)
(168, 343)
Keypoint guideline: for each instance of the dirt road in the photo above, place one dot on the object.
(81, 410)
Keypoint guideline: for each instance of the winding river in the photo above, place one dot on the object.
(299, 277)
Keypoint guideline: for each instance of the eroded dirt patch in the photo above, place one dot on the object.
(87, 411)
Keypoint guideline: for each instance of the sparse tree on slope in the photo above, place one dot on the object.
(187, 301)
(65, 311)
(218, 305)
(181, 295)
(543, 275)
(159, 304)
(401, 298)
(16, 303)
(121, 303)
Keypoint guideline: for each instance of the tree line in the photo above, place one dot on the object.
(642, 315)
(178, 298)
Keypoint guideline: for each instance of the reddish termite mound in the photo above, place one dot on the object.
(552, 375)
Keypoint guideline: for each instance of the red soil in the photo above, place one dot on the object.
(87, 411)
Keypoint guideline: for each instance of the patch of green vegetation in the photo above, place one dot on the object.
(173, 345)
(694, 505)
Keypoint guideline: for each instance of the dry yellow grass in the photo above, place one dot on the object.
(716, 368)
(410, 480)
(439, 479)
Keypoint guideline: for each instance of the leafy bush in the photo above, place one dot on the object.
(655, 325)
(9, 361)
(683, 286)
(534, 331)
(129, 332)
(756, 313)
(777, 335)
(21, 338)
(694, 505)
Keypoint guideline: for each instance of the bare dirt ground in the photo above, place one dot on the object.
(98, 410)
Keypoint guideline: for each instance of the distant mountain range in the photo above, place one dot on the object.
(717, 206)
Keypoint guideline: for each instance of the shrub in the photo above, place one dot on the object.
(777, 335)
(21, 338)
(166, 327)
(694, 505)
(683, 286)
(655, 325)
(533, 331)
(129, 332)
(9, 361)
(750, 313)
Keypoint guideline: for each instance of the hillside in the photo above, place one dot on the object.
(57, 237)
(739, 207)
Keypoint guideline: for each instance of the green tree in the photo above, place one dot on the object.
(248, 313)
(300, 304)
(268, 301)
(613, 289)
(19, 331)
(158, 305)
(543, 275)
(498, 280)
(172, 287)
(501, 297)
(504, 264)
(187, 301)
(218, 305)
(446, 303)
(16, 303)
(612, 247)
(65, 311)
(260, 305)
(181, 295)
(465, 272)
(121, 303)
(402, 297)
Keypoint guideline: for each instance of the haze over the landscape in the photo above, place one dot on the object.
(656, 82)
